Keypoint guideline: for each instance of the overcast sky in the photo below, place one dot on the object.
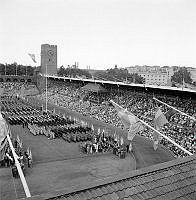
(100, 33)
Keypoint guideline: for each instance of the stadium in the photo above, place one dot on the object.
(75, 138)
(97, 100)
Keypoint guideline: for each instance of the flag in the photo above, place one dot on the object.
(135, 127)
(159, 121)
(3, 138)
(130, 121)
(18, 139)
(30, 156)
(171, 112)
(183, 83)
(3, 128)
(130, 147)
(115, 136)
(92, 127)
(20, 144)
(3, 143)
(22, 91)
(121, 141)
(1, 91)
(3, 148)
(32, 56)
(98, 131)
(28, 151)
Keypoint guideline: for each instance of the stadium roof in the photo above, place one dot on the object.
(175, 179)
(125, 84)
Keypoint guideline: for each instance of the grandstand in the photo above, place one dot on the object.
(79, 115)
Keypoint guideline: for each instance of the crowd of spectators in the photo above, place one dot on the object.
(180, 128)
(15, 88)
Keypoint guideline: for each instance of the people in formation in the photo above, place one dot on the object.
(101, 143)
(23, 156)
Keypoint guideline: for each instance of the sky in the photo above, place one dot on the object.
(100, 33)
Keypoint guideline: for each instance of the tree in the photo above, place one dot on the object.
(61, 71)
(135, 78)
(15, 69)
(73, 72)
(119, 75)
(180, 75)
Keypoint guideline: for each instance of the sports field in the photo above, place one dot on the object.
(58, 164)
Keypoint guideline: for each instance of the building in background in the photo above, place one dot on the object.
(49, 59)
(154, 75)
(193, 73)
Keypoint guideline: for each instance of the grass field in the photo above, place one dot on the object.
(58, 164)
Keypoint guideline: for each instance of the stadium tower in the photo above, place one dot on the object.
(49, 59)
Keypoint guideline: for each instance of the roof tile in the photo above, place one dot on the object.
(109, 188)
(97, 198)
(94, 194)
(69, 197)
(144, 194)
(114, 196)
(99, 192)
(120, 185)
(140, 196)
(193, 186)
(115, 188)
(88, 194)
(143, 188)
(129, 192)
(133, 183)
(149, 194)
(128, 198)
(83, 195)
(193, 195)
(104, 191)
(106, 197)
(125, 184)
(185, 168)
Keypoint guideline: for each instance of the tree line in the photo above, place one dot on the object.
(115, 74)
(16, 69)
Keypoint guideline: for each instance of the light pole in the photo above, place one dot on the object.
(46, 88)
(5, 68)
(16, 70)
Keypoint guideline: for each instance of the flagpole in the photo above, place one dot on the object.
(175, 109)
(167, 138)
(5, 68)
(46, 88)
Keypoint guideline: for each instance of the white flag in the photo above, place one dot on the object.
(32, 57)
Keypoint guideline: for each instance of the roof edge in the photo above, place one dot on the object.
(138, 172)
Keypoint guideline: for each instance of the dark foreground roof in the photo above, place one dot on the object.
(171, 180)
